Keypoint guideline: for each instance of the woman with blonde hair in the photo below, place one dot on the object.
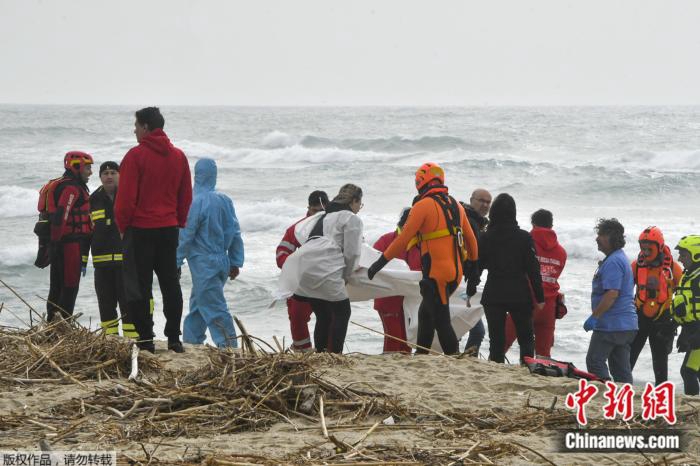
(330, 251)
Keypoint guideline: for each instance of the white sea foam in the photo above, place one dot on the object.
(12, 255)
(277, 140)
(16, 201)
(274, 215)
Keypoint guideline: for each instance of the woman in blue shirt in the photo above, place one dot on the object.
(614, 318)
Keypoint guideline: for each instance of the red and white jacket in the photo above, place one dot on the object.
(288, 245)
(552, 258)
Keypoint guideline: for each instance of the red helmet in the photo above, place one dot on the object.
(427, 173)
(75, 160)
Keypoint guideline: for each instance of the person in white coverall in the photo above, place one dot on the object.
(331, 246)
(213, 247)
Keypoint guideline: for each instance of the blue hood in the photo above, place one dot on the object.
(204, 176)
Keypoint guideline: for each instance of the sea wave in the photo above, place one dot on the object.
(662, 161)
(15, 255)
(273, 215)
(16, 201)
(401, 144)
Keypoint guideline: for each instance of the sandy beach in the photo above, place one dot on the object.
(212, 407)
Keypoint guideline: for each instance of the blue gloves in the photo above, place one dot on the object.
(83, 270)
(590, 324)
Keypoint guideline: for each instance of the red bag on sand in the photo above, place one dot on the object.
(554, 368)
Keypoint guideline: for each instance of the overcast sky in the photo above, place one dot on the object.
(381, 52)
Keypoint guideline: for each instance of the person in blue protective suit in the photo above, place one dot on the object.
(213, 247)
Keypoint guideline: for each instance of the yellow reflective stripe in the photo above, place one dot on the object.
(127, 326)
(97, 214)
(152, 305)
(427, 237)
(110, 327)
(106, 258)
(694, 360)
(133, 335)
(85, 258)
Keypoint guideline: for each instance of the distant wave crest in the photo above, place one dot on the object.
(16, 201)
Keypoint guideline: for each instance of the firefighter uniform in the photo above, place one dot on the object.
(106, 251)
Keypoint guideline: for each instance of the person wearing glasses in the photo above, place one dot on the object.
(331, 244)
(477, 211)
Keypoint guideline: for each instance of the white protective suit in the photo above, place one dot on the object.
(324, 264)
(395, 279)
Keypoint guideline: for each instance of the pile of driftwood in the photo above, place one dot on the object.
(233, 392)
(243, 391)
(64, 351)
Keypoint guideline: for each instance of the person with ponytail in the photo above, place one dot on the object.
(330, 252)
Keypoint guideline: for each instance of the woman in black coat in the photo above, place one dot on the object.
(508, 253)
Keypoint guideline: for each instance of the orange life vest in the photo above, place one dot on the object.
(654, 285)
(47, 200)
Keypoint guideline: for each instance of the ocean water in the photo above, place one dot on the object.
(639, 164)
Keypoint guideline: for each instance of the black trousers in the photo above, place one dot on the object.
(691, 378)
(109, 287)
(66, 263)
(522, 318)
(660, 334)
(332, 319)
(434, 316)
(148, 250)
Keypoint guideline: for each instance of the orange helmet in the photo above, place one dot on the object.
(652, 235)
(75, 160)
(427, 173)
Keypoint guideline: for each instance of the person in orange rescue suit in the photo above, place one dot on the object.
(391, 309)
(299, 311)
(656, 275)
(67, 200)
(106, 248)
(439, 226)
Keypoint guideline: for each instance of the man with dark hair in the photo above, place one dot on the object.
(299, 311)
(542, 218)
(151, 118)
(552, 258)
(106, 247)
(477, 211)
(614, 317)
(154, 198)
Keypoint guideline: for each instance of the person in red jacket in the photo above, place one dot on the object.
(552, 258)
(299, 311)
(154, 197)
(70, 230)
(391, 309)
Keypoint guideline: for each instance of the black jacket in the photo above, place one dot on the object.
(106, 244)
(477, 222)
(508, 253)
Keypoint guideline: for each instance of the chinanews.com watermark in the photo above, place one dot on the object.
(617, 441)
(656, 402)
